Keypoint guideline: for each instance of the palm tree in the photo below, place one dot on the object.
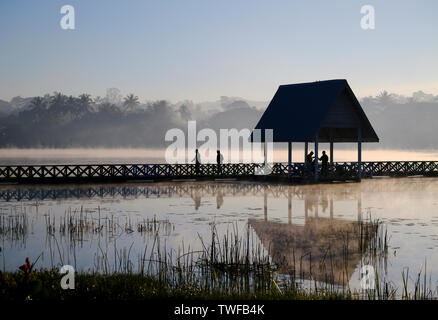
(58, 98)
(37, 112)
(84, 103)
(131, 101)
(109, 108)
(85, 98)
(384, 98)
(37, 102)
(58, 107)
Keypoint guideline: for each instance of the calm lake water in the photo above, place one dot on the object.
(184, 213)
(288, 222)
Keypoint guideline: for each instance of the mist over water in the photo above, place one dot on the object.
(13, 156)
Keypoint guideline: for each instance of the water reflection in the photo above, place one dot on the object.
(295, 224)
(324, 249)
(196, 191)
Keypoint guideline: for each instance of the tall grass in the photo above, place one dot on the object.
(227, 265)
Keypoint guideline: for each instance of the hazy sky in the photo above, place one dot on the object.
(202, 49)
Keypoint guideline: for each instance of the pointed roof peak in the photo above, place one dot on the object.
(320, 82)
(329, 108)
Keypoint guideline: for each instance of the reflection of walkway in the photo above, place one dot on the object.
(314, 197)
(175, 190)
(345, 191)
(324, 249)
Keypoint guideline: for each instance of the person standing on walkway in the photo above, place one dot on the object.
(310, 158)
(324, 164)
(309, 163)
(197, 160)
(219, 161)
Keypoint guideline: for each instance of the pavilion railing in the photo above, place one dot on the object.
(344, 170)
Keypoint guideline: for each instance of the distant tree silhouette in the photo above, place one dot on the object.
(85, 99)
(38, 103)
(130, 102)
(58, 107)
(384, 99)
(58, 98)
(37, 112)
(185, 112)
(109, 108)
(84, 105)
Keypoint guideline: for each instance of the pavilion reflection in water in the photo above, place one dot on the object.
(323, 249)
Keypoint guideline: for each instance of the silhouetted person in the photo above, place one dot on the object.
(324, 163)
(219, 161)
(197, 160)
(309, 162)
(309, 158)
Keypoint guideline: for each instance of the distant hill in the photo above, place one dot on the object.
(15, 105)
(5, 108)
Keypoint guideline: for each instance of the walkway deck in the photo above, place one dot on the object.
(163, 172)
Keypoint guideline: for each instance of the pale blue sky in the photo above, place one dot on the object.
(202, 49)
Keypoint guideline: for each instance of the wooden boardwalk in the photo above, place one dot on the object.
(163, 172)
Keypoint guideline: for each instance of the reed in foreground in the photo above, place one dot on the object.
(228, 267)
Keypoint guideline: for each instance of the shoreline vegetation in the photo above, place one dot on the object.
(228, 267)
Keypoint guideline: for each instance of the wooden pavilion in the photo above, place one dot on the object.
(321, 111)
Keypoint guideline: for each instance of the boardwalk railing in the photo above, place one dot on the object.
(123, 172)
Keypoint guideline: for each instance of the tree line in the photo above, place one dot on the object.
(61, 121)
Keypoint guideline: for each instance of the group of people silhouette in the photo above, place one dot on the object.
(219, 161)
(310, 162)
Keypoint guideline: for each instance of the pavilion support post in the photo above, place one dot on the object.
(265, 204)
(306, 150)
(359, 153)
(331, 157)
(316, 157)
(289, 206)
(289, 159)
